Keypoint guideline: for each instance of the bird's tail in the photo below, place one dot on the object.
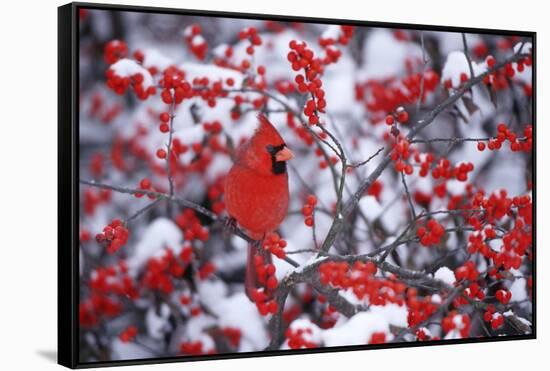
(255, 275)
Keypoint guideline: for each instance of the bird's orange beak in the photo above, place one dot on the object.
(284, 154)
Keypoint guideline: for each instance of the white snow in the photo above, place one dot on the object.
(157, 323)
(457, 64)
(446, 275)
(518, 289)
(126, 68)
(357, 330)
(237, 311)
(154, 58)
(161, 233)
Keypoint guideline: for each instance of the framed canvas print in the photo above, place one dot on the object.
(236, 185)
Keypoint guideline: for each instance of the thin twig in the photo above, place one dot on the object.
(424, 63)
(409, 198)
(359, 164)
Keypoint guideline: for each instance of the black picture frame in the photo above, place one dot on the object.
(68, 186)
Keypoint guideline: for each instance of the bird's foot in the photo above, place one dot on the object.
(229, 225)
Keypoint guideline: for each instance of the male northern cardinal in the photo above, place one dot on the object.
(256, 190)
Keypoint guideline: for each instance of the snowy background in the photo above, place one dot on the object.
(204, 310)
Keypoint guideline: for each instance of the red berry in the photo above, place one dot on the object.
(490, 60)
(481, 146)
(161, 153)
(164, 117)
(145, 183)
(271, 282)
(403, 117)
(312, 200)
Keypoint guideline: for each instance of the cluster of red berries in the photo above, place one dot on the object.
(344, 275)
(307, 210)
(120, 84)
(263, 302)
(505, 134)
(221, 57)
(113, 280)
(400, 154)
(431, 233)
(328, 43)
(425, 161)
(92, 199)
(233, 335)
(285, 87)
(503, 296)
(444, 170)
(359, 277)
(302, 58)
(477, 244)
(160, 270)
(215, 195)
(494, 318)
(507, 260)
(96, 306)
(519, 239)
(115, 50)
(265, 272)
(186, 300)
(96, 165)
(343, 37)
(474, 291)
(456, 322)
(383, 96)
(467, 271)
(214, 127)
(195, 42)
(114, 236)
(419, 309)
(206, 270)
(164, 126)
(498, 205)
(400, 115)
(190, 224)
(250, 34)
(118, 148)
(274, 244)
(297, 338)
(195, 348)
(499, 78)
(104, 283)
(84, 235)
(377, 338)
(98, 109)
(174, 86)
(128, 334)
(145, 185)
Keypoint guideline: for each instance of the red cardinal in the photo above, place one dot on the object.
(256, 190)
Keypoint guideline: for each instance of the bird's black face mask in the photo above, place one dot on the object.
(277, 167)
